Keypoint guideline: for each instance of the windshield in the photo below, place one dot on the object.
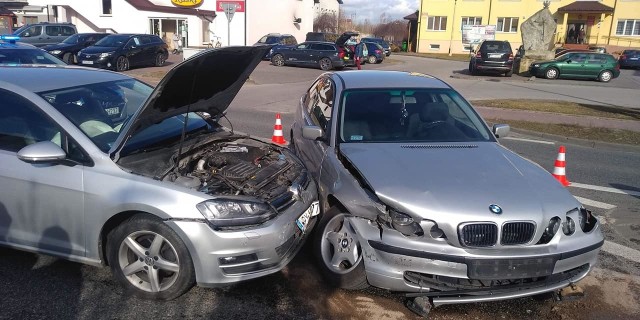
(72, 39)
(27, 56)
(17, 31)
(268, 40)
(411, 115)
(112, 41)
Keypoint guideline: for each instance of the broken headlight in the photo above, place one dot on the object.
(586, 220)
(550, 231)
(405, 224)
(231, 212)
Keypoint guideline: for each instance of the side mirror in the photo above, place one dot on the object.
(26, 35)
(41, 152)
(501, 130)
(312, 132)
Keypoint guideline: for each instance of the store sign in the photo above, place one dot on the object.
(186, 3)
(473, 34)
(238, 3)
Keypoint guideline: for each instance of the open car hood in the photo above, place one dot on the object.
(207, 82)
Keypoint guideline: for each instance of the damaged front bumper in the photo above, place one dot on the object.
(452, 275)
(222, 257)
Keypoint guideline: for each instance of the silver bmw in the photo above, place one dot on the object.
(100, 168)
(418, 196)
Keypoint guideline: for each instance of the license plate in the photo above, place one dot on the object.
(634, 58)
(87, 62)
(496, 269)
(495, 55)
(312, 211)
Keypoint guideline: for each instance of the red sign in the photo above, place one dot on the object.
(591, 20)
(239, 5)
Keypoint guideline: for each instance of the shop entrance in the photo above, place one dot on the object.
(167, 28)
(576, 32)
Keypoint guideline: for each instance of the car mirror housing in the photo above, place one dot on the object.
(501, 130)
(312, 132)
(41, 152)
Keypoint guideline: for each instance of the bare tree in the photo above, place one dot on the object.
(326, 22)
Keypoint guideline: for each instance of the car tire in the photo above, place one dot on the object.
(122, 64)
(333, 233)
(508, 73)
(552, 73)
(325, 64)
(160, 59)
(605, 76)
(67, 58)
(277, 60)
(142, 244)
(373, 59)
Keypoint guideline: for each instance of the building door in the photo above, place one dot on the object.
(183, 30)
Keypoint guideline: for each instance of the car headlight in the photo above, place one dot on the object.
(586, 220)
(105, 54)
(231, 212)
(537, 65)
(405, 224)
(569, 226)
(55, 52)
(551, 230)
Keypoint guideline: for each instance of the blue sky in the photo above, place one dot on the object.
(373, 9)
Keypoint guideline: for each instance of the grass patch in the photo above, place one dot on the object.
(563, 107)
(442, 56)
(574, 131)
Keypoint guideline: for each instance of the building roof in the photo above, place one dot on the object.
(146, 5)
(413, 16)
(585, 6)
(6, 12)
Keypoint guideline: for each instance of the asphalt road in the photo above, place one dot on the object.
(38, 287)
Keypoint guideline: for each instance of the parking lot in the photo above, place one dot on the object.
(606, 179)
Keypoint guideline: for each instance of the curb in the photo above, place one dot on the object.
(469, 77)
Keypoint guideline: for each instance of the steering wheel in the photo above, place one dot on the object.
(434, 124)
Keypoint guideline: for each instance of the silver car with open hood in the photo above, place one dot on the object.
(100, 168)
(418, 196)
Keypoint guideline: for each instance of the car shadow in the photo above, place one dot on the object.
(484, 75)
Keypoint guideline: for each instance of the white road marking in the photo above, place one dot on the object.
(529, 140)
(605, 189)
(594, 203)
(621, 251)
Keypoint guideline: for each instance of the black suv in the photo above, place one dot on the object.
(123, 51)
(492, 55)
(45, 33)
(68, 49)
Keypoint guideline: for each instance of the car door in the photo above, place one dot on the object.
(574, 66)
(53, 35)
(299, 54)
(594, 65)
(134, 51)
(32, 35)
(41, 204)
(315, 110)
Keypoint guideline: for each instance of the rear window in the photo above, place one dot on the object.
(269, 40)
(496, 47)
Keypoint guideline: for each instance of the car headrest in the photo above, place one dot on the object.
(434, 111)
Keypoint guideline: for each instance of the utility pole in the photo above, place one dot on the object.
(453, 22)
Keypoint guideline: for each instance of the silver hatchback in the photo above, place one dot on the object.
(100, 168)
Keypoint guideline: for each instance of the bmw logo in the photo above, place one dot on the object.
(495, 208)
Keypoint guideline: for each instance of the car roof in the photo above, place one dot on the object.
(66, 76)
(16, 45)
(369, 79)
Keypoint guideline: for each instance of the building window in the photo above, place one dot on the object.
(507, 25)
(628, 28)
(433, 46)
(106, 6)
(438, 23)
(471, 21)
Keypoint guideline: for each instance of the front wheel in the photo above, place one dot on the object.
(338, 251)
(552, 73)
(122, 64)
(325, 64)
(149, 259)
(68, 58)
(277, 60)
(605, 76)
(373, 59)
(160, 59)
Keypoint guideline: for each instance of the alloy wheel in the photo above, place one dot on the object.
(159, 60)
(325, 64)
(122, 64)
(340, 249)
(552, 73)
(278, 60)
(148, 261)
(373, 59)
(606, 76)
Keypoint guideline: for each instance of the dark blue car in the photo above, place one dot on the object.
(380, 41)
(629, 59)
(376, 53)
(69, 48)
(325, 55)
(122, 51)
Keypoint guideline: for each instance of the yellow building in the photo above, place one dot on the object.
(611, 23)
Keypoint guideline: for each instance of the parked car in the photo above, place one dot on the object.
(45, 33)
(17, 53)
(418, 196)
(122, 51)
(380, 41)
(629, 59)
(165, 196)
(375, 53)
(598, 49)
(69, 48)
(275, 39)
(580, 65)
(325, 55)
(492, 55)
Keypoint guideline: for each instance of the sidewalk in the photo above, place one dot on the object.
(555, 118)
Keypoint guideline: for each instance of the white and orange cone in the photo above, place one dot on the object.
(277, 131)
(559, 171)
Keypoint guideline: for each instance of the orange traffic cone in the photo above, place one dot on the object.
(559, 168)
(277, 131)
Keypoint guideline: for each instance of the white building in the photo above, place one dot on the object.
(326, 6)
(196, 24)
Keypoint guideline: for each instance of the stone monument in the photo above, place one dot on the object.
(538, 33)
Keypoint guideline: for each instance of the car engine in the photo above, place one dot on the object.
(252, 169)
